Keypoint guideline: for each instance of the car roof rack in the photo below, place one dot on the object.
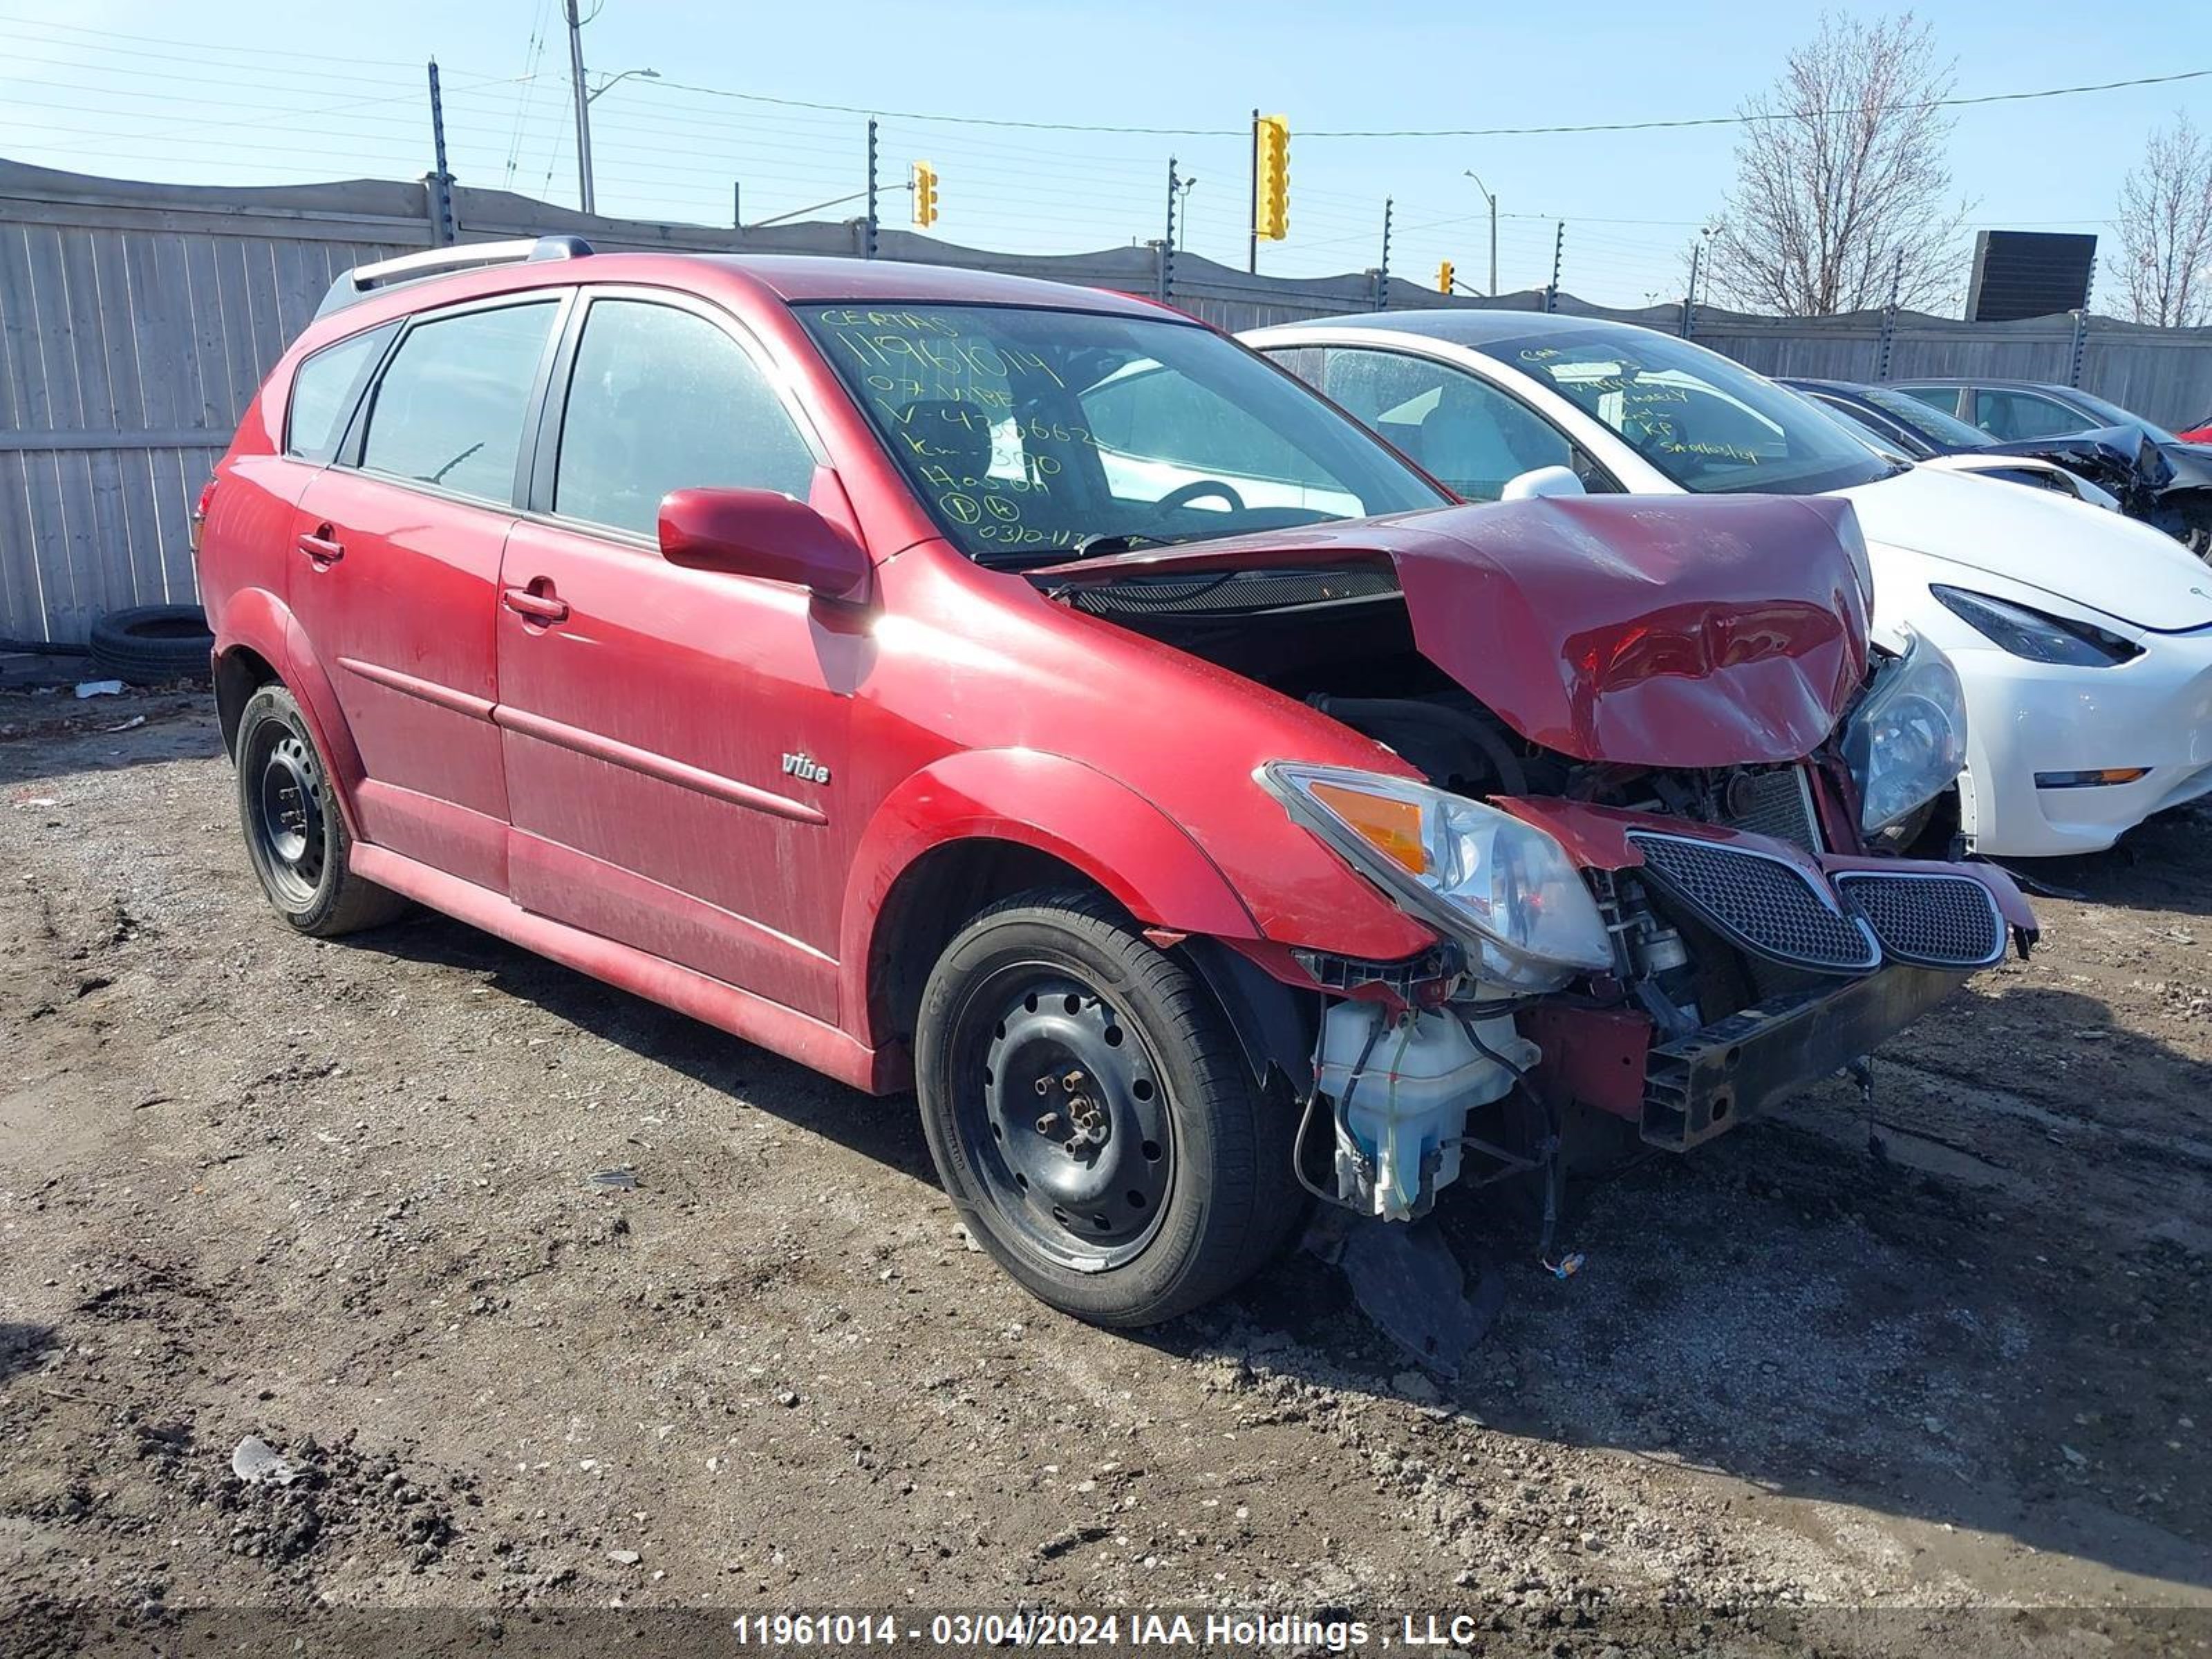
(362, 281)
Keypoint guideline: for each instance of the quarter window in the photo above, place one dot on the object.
(324, 393)
(662, 400)
(449, 409)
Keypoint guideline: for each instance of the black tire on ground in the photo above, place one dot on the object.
(295, 836)
(1184, 1187)
(153, 644)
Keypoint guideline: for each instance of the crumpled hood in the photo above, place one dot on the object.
(1650, 630)
(2110, 563)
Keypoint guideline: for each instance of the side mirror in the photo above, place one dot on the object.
(757, 532)
(1544, 480)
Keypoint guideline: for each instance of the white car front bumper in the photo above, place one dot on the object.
(2028, 717)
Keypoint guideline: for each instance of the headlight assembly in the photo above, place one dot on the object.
(2033, 635)
(1907, 740)
(1503, 888)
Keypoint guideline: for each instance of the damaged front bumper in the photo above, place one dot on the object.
(1869, 946)
(1740, 1066)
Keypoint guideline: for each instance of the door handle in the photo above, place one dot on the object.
(542, 609)
(321, 547)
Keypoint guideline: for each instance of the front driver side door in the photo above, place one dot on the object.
(647, 710)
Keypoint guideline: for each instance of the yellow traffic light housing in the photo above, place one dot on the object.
(1444, 276)
(924, 195)
(1271, 161)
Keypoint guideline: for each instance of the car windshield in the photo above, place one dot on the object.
(1856, 424)
(1924, 418)
(1708, 424)
(2113, 414)
(1033, 434)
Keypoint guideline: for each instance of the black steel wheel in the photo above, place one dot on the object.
(1071, 1126)
(295, 835)
(1093, 1117)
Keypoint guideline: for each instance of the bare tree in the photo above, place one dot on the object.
(2166, 230)
(1841, 185)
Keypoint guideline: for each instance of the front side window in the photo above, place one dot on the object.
(1705, 423)
(1466, 432)
(449, 408)
(324, 393)
(1031, 432)
(2015, 414)
(2112, 414)
(661, 399)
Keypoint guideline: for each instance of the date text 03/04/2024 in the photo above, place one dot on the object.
(1035, 1630)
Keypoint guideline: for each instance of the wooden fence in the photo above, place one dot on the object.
(137, 320)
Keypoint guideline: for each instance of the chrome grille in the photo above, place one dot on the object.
(1930, 921)
(1777, 804)
(1766, 904)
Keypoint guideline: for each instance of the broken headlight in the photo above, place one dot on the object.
(1908, 740)
(1505, 890)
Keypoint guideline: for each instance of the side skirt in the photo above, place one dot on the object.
(757, 1020)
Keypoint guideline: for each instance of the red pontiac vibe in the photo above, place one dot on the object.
(1028, 696)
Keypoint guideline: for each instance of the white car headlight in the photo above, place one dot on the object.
(1503, 888)
(1907, 741)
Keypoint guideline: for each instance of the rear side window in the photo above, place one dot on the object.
(324, 393)
(662, 400)
(2015, 415)
(449, 409)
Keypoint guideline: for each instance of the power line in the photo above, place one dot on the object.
(1740, 118)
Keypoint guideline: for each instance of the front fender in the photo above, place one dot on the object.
(1102, 828)
(255, 620)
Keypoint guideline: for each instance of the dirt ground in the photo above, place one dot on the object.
(341, 1197)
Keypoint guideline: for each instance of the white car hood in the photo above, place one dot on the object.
(2100, 560)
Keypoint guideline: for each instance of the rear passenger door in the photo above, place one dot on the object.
(649, 708)
(395, 577)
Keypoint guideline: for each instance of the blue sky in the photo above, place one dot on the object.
(256, 92)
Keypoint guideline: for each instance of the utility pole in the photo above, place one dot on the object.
(1383, 271)
(1492, 200)
(1252, 253)
(736, 205)
(869, 247)
(583, 111)
(440, 182)
(1689, 300)
(1168, 247)
(1559, 246)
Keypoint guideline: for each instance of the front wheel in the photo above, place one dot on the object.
(1092, 1117)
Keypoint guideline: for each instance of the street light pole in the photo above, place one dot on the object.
(1492, 200)
(583, 110)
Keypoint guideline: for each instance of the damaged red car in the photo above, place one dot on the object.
(1028, 696)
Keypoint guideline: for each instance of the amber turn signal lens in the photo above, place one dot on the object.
(1392, 828)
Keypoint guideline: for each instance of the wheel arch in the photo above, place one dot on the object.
(260, 642)
(980, 825)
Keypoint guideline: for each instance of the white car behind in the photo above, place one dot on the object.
(2083, 640)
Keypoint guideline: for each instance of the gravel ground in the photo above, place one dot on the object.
(343, 1197)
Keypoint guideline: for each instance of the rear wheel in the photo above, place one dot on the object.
(294, 834)
(1092, 1117)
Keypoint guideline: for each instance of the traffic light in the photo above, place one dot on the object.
(1270, 140)
(924, 195)
(1444, 276)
